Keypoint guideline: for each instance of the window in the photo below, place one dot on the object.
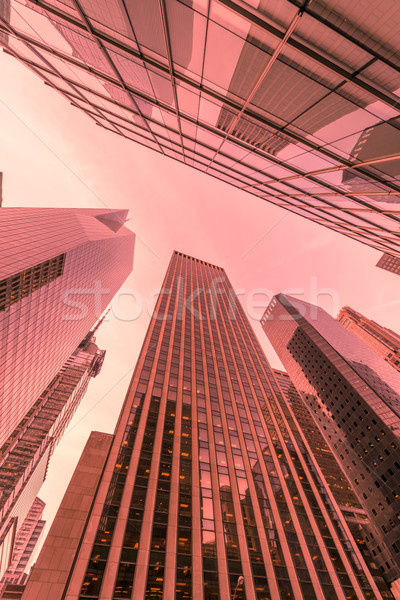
(23, 284)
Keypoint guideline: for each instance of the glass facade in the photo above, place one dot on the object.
(59, 268)
(293, 101)
(25, 544)
(353, 397)
(381, 340)
(18, 286)
(210, 490)
(54, 264)
(355, 515)
(319, 448)
(25, 454)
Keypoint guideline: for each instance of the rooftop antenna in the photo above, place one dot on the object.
(95, 328)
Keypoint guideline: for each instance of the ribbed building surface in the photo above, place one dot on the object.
(288, 100)
(208, 490)
(354, 397)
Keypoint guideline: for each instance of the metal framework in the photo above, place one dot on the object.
(303, 175)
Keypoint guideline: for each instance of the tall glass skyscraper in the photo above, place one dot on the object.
(382, 340)
(272, 97)
(353, 512)
(25, 543)
(207, 490)
(59, 268)
(374, 142)
(319, 448)
(354, 398)
(25, 455)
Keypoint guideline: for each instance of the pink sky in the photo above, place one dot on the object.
(53, 155)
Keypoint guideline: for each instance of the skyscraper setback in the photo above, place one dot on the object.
(207, 490)
(273, 98)
(353, 396)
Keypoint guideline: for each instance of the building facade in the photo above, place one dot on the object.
(26, 453)
(25, 544)
(59, 268)
(382, 140)
(271, 98)
(381, 340)
(355, 515)
(208, 489)
(390, 263)
(353, 396)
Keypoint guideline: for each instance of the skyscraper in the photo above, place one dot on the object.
(207, 489)
(26, 453)
(59, 268)
(355, 515)
(382, 140)
(319, 448)
(353, 396)
(389, 263)
(25, 543)
(269, 97)
(285, 91)
(381, 340)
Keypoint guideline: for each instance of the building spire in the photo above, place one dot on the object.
(99, 323)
